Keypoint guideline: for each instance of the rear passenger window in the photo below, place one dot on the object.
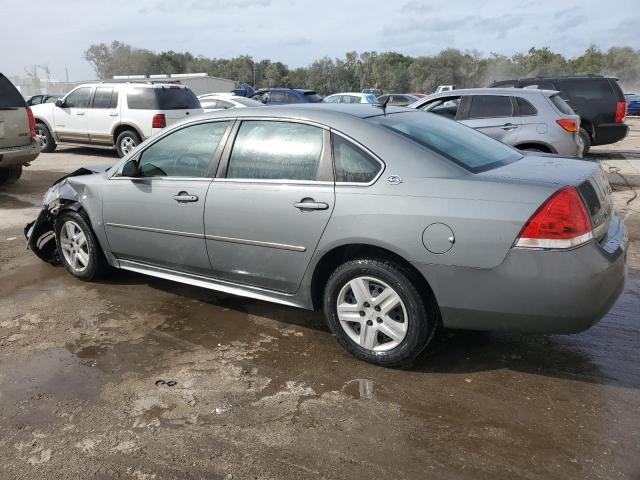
(184, 153)
(103, 98)
(486, 106)
(9, 95)
(353, 164)
(276, 151)
(525, 108)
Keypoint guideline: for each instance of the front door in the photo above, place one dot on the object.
(156, 217)
(71, 119)
(493, 116)
(264, 219)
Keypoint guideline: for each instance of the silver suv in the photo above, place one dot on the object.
(528, 119)
(18, 144)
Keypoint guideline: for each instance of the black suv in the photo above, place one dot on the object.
(598, 100)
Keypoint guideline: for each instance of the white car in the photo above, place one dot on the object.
(222, 101)
(112, 115)
(351, 97)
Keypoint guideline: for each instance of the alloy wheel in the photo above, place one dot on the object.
(74, 246)
(372, 314)
(127, 144)
(42, 136)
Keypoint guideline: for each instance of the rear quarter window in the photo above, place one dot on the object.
(525, 108)
(9, 95)
(561, 105)
(142, 99)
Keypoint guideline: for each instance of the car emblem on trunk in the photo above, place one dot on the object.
(394, 180)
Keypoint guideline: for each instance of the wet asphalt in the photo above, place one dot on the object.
(141, 378)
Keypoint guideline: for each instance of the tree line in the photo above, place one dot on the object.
(390, 71)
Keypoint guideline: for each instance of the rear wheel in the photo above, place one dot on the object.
(376, 312)
(78, 247)
(586, 141)
(47, 143)
(126, 142)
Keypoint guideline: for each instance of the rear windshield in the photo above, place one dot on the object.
(561, 105)
(462, 145)
(165, 98)
(9, 95)
(312, 97)
(588, 88)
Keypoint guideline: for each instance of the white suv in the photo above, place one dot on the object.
(108, 115)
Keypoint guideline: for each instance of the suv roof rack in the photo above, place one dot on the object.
(147, 81)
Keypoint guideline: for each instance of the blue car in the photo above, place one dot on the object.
(633, 103)
(283, 96)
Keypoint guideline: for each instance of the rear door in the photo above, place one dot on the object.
(103, 115)
(268, 207)
(14, 121)
(493, 115)
(71, 119)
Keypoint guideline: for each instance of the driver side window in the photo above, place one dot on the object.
(187, 152)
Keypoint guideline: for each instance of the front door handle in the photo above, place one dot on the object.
(509, 126)
(184, 197)
(114, 114)
(80, 113)
(311, 204)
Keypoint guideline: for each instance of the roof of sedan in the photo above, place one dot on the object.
(313, 111)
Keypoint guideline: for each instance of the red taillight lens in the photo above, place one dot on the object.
(32, 123)
(621, 111)
(561, 222)
(159, 121)
(569, 125)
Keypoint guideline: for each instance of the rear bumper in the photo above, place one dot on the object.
(607, 133)
(19, 155)
(544, 291)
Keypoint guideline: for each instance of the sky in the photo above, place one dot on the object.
(296, 32)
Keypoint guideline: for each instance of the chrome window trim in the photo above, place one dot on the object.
(257, 243)
(272, 181)
(155, 230)
(366, 150)
(166, 179)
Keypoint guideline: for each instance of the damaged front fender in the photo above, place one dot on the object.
(40, 233)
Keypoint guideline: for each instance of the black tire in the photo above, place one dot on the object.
(126, 136)
(10, 174)
(47, 143)
(422, 313)
(586, 141)
(97, 264)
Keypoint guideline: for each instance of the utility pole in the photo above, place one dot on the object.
(66, 71)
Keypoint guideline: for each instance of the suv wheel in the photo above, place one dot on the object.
(78, 247)
(126, 142)
(376, 312)
(586, 141)
(47, 143)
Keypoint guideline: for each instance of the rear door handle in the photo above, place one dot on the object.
(184, 197)
(80, 113)
(509, 126)
(311, 205)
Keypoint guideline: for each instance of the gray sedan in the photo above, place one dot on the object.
(395, 222)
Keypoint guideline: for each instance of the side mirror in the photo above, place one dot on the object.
(59, 103)
(130, 169)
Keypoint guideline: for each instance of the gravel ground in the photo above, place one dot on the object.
(264, 391)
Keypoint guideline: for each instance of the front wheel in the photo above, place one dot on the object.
(78, 247)
(376, 312)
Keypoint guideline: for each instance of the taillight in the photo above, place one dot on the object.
(159, 121)
(568, 125)
(621, 111)
(32, 124)
(561, 222)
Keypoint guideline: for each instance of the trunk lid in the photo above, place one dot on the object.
(587, 176)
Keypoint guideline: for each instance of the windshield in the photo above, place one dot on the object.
(463, 145)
